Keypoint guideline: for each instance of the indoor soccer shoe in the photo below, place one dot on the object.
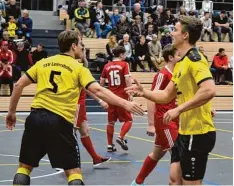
(135, 184)
(111, 148)
(122, 143)
(101, 161)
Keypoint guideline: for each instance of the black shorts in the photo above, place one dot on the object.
(192, 152)
(48, 133)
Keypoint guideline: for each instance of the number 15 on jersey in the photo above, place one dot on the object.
(115, 78)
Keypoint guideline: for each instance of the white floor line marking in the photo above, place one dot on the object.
(35, 177)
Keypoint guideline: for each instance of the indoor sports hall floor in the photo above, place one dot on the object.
(124, 166)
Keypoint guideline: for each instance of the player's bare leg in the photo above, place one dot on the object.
(110, 128)
(74, 176)
(149, 165)
(175, 177)
(124, 130)
(22, 176)
(87, 143)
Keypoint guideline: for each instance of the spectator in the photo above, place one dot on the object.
(221, 25)
(166, 38)
(39, 53)
(3, 8)
(169, 20)
(115, 18)
(137, 29)
(6, 55)
(12, 27)
(101, 21)
(129, 46)
(207, 24)
(110, 46)
(149, 33)
(158, 16)
(120, 6)
(201, 49)
(155, 51)
(82, 16)
(6, 75)
(2, 21)
(25, 25)
(13, 10)
(207, 6)
(122, 27)
(137, 12)
(190, 5)
(182, 12)
(23, 60)
(230, 19)
(220, 64)
(151, 22)
(5, 37)
(141, 54)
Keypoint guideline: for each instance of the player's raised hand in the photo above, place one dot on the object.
(134, 108)
(171, 115)
(10, 120)
(104, 105)
(150, 130)
(136, 90)
(213, 112)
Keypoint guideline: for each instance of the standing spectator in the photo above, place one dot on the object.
(230, 19)
(6, 55)
(120, 6)
(25, 25)
(221, 25)
(207, 6)
(110, 46)
(39, 53)
(6, 75)
(155, 51)
(220, 64)
(201, 49)
(141, 54)
(13, 10)
(129, 47)
(149, 33)
(115, 18)
(23, 60)
(207, 24)
(12, 27)
(101, 21)
(151, 22)
(3, 8)
(166, 38)
(82, 17)
(169, 20)
(190, 5)
(137, 29)
(137, 12)
(2, 22)
(122, 27)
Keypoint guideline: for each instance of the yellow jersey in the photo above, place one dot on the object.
(188, 73)
(59, 79)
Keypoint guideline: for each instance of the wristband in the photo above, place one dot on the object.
(100, 101)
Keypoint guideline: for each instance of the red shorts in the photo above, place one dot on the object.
(81, 115)
(165, 138)
(119, 113)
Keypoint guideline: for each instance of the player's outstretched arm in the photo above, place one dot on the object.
(157, 96)
(16, 94)
(112, 99)
(102, 103)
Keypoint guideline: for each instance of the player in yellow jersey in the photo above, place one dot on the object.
(194, 87)
(49, 127)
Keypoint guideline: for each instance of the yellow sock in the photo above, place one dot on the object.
(24, 171)
(75, 177)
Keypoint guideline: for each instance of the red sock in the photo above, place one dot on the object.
(125, 128)
(87, 143)
(148, 165)
(110, 133)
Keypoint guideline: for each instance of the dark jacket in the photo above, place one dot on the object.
(165, 40)
(81, 14)
(121, 43)
(135, 30)
(154, 25)
(23, 59)
(13, 11)
(141, 50)
(37, 56)
(168, 20)
(141, 14)
(122, 28)
(93, 16)
(27, 21)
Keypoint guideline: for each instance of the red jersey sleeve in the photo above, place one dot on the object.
(126, 70)
(104, 76)
(159, 82)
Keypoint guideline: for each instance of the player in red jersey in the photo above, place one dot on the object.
(166, 134)
(118, 76)
(82, 126)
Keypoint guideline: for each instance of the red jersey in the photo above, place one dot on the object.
(115, 72)
(5, 73)
(6, 56)
(161, 80)
(82, 97)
